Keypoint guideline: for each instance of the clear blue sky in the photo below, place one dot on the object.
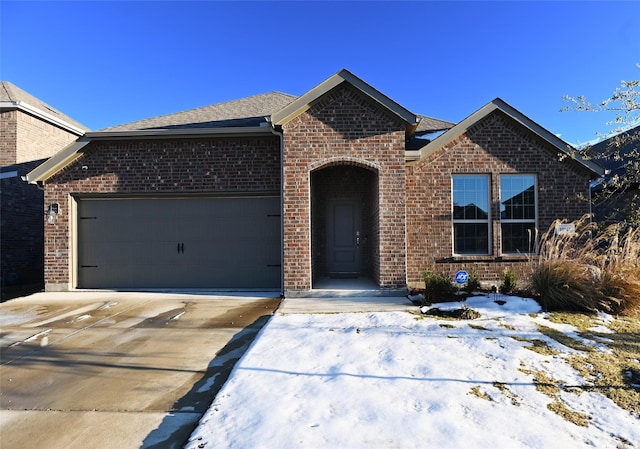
(106, 63)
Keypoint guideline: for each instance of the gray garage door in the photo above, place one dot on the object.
(231, 242)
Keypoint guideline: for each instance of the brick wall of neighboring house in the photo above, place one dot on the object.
(152, 167)
(37, 139)
(8, 137)
(495, 145)
(344, 128)
(21, 223)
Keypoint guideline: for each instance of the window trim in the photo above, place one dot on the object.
(518, 220)
(487, 221)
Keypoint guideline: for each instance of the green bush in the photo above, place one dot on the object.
(509, 281)
(473, 284)
(437, 286)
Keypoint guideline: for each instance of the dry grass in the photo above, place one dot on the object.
(588, 271)
(614, 373)
(560, 409)
(538, 346)
(475, 391)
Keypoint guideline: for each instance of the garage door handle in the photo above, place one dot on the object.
(180, 248)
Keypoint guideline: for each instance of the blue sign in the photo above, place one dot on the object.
(462, 277)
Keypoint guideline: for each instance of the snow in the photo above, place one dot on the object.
(401, 380)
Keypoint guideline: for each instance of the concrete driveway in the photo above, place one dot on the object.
(117, 370)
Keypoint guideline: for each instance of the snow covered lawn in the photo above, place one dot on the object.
(401, 380)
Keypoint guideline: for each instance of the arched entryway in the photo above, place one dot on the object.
(344, 225)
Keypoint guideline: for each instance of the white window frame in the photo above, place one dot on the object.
(486, 221)
(533, 221)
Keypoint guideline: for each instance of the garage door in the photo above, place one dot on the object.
(231, 242)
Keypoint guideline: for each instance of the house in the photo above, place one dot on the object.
(30, 132)
(617, 195)
(292, 193)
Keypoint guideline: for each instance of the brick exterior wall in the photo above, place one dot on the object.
(25, 138)
(21, 234)
(153, 167)
(8, 137)
(494, 146)
(344, 128)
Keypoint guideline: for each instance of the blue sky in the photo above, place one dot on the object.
(106, 63)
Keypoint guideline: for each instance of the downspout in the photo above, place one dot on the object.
(281, 138)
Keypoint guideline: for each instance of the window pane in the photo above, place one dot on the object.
(518, 237)
(471, 197)
(517, 197)
(470, 238)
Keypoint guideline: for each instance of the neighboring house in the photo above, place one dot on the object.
(30, 132)
(619, 187)
(282, 192)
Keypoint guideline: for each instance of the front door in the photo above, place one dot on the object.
(343, 237)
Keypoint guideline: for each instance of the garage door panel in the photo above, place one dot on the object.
(179, 243)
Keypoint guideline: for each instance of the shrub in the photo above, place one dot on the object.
(563, 285)
(473, 284)
(509, 281)
(437, 286)
(589, 272)
(620, 283)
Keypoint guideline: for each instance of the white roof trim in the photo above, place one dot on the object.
(26, 107)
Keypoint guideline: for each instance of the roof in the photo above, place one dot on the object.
(12, 97)
(617, 150)
(428, 125)
(500, 105)
(249, 111)
(252, 115)
(304, 102)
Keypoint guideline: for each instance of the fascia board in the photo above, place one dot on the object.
(304, 102)
(57, 162)
(26, 107)
(179, 133)
(520, 118)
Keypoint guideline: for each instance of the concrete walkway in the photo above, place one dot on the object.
(343, 303)
(117, 370)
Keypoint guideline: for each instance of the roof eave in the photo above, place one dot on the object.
(304, 102)
(180, 133)
(26, 107)
(499, 104)
(57, 162)
(70, 153)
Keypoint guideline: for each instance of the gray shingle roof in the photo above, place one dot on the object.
(249, 111)
(430, 124)
(11, 93)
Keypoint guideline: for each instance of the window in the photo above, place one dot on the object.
(518, 213)
(471, 214)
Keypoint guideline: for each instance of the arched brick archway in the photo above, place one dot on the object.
(344, 220)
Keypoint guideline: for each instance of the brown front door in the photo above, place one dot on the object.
(343, 237)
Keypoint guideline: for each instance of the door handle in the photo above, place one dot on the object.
(358, 238)
(180, 248)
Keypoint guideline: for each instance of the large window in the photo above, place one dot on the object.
(471, 225)
(518, 213)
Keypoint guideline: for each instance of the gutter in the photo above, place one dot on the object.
(281, 137)
(32, 110)
(179, 133)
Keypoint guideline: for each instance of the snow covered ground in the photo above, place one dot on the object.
(399, 380)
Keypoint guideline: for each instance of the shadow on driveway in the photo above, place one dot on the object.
(177, 426)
